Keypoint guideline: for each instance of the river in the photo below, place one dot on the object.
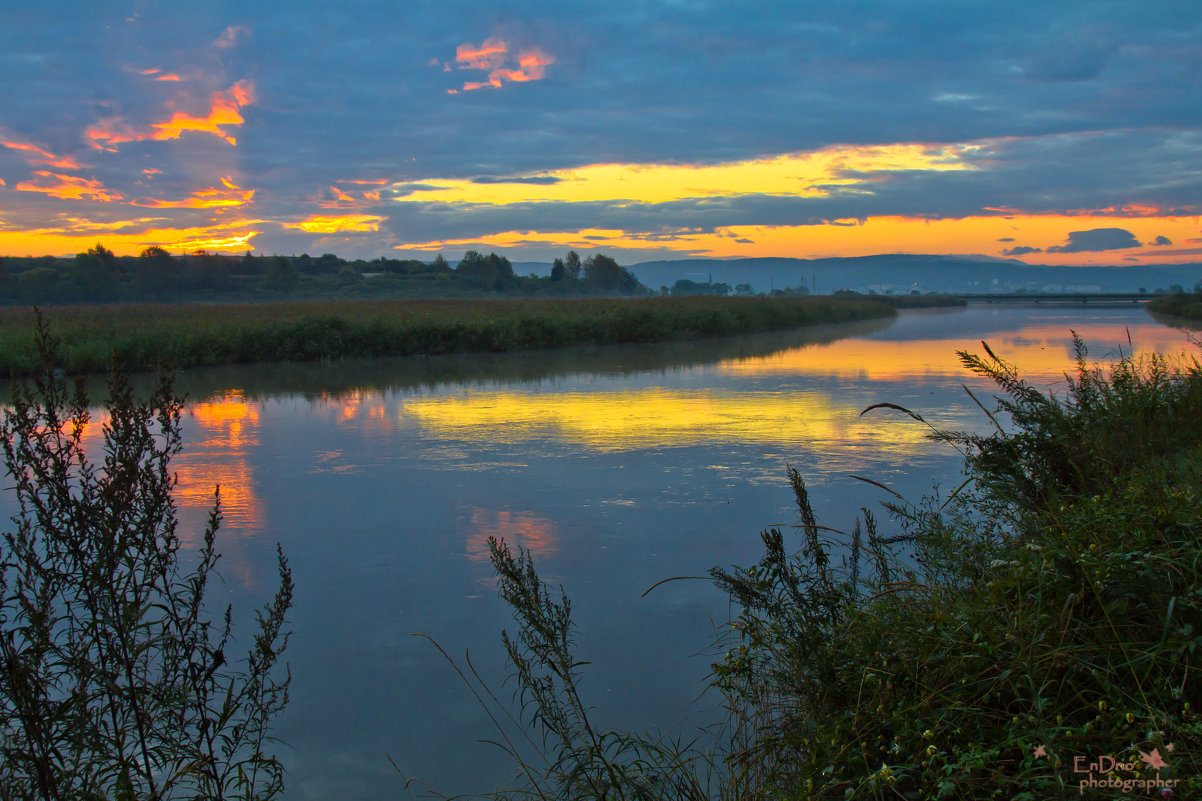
(615, 467)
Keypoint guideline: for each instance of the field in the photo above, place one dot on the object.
(139, 337)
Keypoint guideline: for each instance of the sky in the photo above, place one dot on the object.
(1052, 133)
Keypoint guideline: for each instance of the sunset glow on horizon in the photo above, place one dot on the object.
(533, 133)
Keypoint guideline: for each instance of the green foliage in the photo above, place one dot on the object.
(140, 337)
(1044, 616)
(1049, 610)
(114, 681)
(1187, 305)
(280, 276)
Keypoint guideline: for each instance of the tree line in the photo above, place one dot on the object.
(98, 275)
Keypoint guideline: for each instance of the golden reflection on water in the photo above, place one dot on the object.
(1040, 352)
(229, 427)
(656, 417)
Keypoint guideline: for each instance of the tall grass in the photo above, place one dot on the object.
(140, 337)
(1017, 639)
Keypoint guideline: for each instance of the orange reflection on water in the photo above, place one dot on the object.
(367, 408)
(657, 417)
(1040, 352)
(523, 529)
(230, 428)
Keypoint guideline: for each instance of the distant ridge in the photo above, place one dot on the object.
(902, 273)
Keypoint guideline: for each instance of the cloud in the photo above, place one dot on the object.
(40, 156)
(229, 36)
(230, 195)
(348, 223)
(1162, 240)
(1021, 250)
(537, 180)
(69, 187)
(1097, 239)
(224, 110)
(493, 55)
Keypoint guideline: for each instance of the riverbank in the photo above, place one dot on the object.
(1185, 305)
(140, 337)
(1031, 635)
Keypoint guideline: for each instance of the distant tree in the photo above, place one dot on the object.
(155, 271)
(602, 273)
(440, 265)
(327, 263)
(743, 290)
(487, 272)
(280, 275)
(349, 275)
(558, 271)
(207, 271)
(572, 263)
(38, 285)
(94, 274)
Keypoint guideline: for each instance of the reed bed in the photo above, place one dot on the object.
(140, 337)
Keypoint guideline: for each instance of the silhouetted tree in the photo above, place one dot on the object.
(558, 271)
(280, 276)
(572, 263)
(155, 271)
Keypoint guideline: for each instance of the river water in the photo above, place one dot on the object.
(615, 467)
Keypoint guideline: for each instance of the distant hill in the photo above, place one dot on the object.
(901, 273)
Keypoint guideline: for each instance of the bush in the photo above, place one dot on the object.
(114, 680)
(1045, 617)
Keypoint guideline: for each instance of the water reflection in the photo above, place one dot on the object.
(616, 467)
(521, 529)
(217, 455)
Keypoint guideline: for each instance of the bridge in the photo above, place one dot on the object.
(1065, 298)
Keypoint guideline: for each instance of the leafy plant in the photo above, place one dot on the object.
(115, 683)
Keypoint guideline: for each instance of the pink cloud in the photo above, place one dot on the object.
(496, 56)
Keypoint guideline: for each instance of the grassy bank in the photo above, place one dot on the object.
(1036, 634)
(1182, 304)
(141, 336)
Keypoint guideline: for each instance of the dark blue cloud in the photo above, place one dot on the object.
(1097, 239)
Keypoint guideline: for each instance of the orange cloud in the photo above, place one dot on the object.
(168, 76)
(335, 198)
(378, 182)
(493, 55)
(69, 187)
(487, 56)
(224, 110)
(357, 223)
(43, 156)
(230, 195)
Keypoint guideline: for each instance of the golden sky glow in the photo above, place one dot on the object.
(981, 235)
(794, 174)
(321, 224)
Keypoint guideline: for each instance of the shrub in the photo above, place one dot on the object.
(114, 681)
